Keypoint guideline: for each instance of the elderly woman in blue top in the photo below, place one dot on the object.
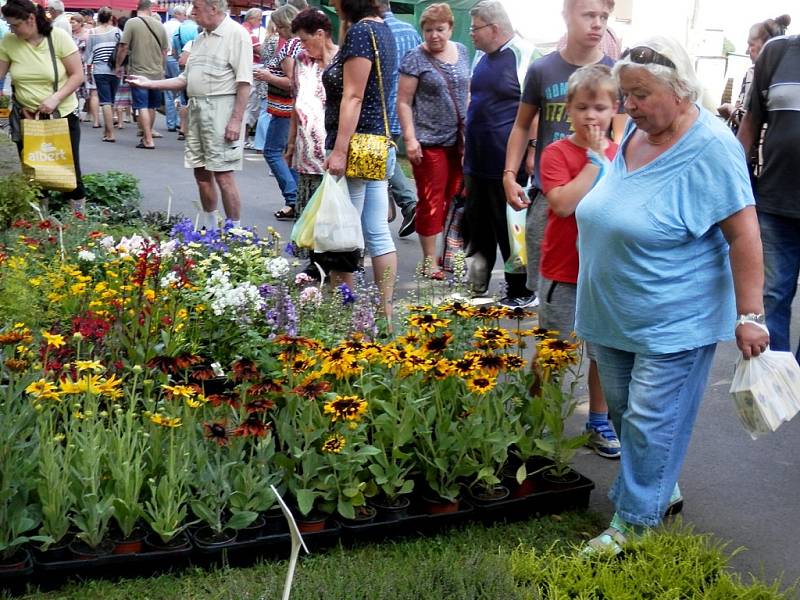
(670, 254)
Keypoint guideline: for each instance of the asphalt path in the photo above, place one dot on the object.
(743, 491)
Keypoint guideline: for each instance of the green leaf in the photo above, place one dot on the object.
(305, 500)
(522, 473)
(407, 487)
(346, 509)
(241, 519)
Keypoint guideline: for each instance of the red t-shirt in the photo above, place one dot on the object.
(561, 162)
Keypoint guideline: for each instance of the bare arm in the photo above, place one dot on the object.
(285, 83)
(618, 123)
(741, 232)
(233, 130)
(530, 157)
(515, 150)
(406, 88)
(564, 199)
(356, 74)
(172, 84)
(290, 143)
(72, 64)
(3, 70)
(122, 53)
(747, 132)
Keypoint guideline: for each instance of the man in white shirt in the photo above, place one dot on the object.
(60, 19)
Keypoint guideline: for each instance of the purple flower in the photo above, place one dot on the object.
(348, 297)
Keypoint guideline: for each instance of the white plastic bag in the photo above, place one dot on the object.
(766, 391)
(518, 257)
(338, 224)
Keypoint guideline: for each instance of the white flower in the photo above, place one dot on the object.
(169, 279)
(107, 242)
(86, 255)
(311, 295)
(167, 248)
(278, 267)
(240, 231)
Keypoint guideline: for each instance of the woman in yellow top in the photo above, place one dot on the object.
(25, 53)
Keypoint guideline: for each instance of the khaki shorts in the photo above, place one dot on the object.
(205, 139)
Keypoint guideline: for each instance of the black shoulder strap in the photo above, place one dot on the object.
(53, 58)
(158, 41)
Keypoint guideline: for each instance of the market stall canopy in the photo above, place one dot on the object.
(125, 5)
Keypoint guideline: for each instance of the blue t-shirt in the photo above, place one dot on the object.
(654, 275)
(358, 43)
(546, 89)
(494, 99)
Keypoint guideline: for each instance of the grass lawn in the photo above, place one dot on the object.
(530, 559)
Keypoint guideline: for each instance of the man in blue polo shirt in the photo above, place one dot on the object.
(406, 38)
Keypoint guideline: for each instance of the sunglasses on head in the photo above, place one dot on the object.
(642, 55)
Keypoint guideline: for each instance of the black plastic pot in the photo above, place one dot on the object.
(481, 497)
(179, 543)
(392, 511)
(82, 551)
(275, 522)
(16, 571)
(207, 539)
(252, 531)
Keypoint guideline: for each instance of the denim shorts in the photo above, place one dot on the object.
(371, 198)
(106, 88)
(143, 98)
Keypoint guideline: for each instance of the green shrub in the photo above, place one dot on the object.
(113, 195)
(670, 564)
(17, 192)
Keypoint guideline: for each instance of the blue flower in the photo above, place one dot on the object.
(348, 297)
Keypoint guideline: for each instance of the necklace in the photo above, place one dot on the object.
(660, 142)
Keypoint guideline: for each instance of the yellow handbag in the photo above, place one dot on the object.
(368, 153)
(47, 154)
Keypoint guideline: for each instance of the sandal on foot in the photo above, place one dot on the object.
(141, 145)
(611, 541)
(675, 502)
(286, 214)
(108, 139)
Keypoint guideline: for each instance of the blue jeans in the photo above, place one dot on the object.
(261, 126)
(405, 197)
(653, 401)
(173, 70)
(371, 198)
(780, 237)
(275, 146)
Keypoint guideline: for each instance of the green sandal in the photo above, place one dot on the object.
(613, 540)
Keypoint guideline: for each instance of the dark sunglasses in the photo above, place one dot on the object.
(642, 55)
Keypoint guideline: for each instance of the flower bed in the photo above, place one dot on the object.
(154, 386)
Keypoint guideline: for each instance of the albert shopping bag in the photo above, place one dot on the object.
(766, 391)
(518, 257)
(303, 230)
(338, 224)
(47, 154)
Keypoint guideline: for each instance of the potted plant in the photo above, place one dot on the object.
(252, 477)
(127, 448)
(166, 508)
(556, 361)
(94, 501)
(53, 487)
(19, 514)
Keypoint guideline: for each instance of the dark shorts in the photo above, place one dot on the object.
(143, 98)
(106, 88)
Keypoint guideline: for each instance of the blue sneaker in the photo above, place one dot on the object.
(675, 502)
(603, 440)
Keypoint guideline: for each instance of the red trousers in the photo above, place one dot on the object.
(438, 177)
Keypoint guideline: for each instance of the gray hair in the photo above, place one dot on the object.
(253, 12)
(220, 5)
(56, 6)
(283, 16)
(178, 10)
(298, 4)
(682, 79)
(493, 12)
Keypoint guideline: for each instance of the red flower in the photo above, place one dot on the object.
(217, 433)
(44, 224)
(90, 326)
(79, 215)
(229, 398)
(259, 405)
(252, 425)
(244, 369)
(311, 390)
(203, 374)
(266, 386)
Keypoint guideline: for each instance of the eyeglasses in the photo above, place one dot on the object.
(474, 29)
(642, 55)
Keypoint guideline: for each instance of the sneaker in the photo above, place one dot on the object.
(675, 502)
(603, 440)
(408, 226)
(519, 301)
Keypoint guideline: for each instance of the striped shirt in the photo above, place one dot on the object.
(406, 39)
(99, 47)
(279, 101)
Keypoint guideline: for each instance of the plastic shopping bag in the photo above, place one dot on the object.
(766, 391)
(518, 258)
(303, 230)
(47, 154)
(338, 224)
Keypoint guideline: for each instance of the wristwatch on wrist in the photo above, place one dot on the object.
(532, 144)
(755, 318)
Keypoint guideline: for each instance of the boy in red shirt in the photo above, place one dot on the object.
(569, 169)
